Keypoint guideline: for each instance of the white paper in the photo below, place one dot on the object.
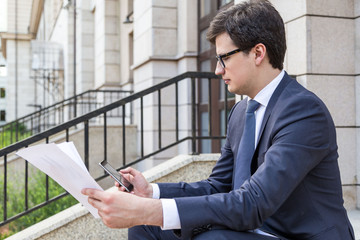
(70, 149)
(63, 163)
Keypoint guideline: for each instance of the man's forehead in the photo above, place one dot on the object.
(223, 43)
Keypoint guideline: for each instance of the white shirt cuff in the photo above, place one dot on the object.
(156, 191)
(171, 219)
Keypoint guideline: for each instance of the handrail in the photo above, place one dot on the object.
(55, 114)
(102, 111)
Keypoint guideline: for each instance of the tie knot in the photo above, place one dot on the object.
(252, 106)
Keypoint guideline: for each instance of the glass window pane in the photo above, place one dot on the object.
(3, 71)
(2, 93)
(205, 144)
(222, 92)
(205, 7)
(224, 2)
(2, 115)
(205, 66)
(204, 123)
(221, 89)
(222, 126)
(204, 98)
(204, 44)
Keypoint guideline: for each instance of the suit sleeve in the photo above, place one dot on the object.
(299, 142)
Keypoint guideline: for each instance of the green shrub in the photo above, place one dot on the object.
(8, 134)
(36, 195)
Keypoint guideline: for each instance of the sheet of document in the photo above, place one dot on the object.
(63, 163)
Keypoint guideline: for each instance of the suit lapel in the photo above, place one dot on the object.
(273, 100)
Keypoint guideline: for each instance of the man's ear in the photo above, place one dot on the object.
(260, 53)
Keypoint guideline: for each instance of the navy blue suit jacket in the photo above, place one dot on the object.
(295, 189)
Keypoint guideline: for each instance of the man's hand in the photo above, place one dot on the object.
(142, 187)
(122, 210)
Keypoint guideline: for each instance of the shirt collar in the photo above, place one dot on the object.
(263, 97)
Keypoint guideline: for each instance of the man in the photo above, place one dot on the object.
(287, 188)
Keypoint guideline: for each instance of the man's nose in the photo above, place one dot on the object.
(219, 70)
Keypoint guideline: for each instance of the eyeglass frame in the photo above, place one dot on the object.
(221, 56)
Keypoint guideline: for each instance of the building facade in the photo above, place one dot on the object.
(134, 44)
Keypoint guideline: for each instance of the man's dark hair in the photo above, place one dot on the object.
(250, 23)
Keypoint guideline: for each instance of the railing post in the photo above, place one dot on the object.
(159, 116)
(226, 108)
(17, 131)
(209, 109)
(193, 116)
(142, 125)
(177, 110)
(86, 143)
(123, 135)
(26, 185)
(11, 133)
(105, 136)
(47, 178)
(5, 188)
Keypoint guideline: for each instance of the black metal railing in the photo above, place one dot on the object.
(58, 113)
(171, 96)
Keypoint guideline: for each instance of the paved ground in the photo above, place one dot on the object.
(354, 216)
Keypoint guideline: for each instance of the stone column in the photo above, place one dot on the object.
(25, 86)
(107, 60)
(85, 46)
(165, 45)
(357, 94)
(320, 53)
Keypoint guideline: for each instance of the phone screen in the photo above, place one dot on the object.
(116, 175)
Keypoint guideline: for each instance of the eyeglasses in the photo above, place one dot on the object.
(220, 57)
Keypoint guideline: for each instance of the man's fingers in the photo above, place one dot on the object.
(126, 170)
(95, 202)
(92, 193)
(129, 170)
(128, 177)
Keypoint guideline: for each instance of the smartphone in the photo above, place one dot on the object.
(116, 175)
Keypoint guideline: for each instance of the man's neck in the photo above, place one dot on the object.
(264, 77)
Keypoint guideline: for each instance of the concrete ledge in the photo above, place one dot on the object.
(77, 223)
(178, 162)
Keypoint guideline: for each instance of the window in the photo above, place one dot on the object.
(224, 2)
(2, 115)
(215, 89)
(205, 45)
(205, 7)
(3, 71)
(2, 92)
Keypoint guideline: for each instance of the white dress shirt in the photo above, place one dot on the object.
(171, 219)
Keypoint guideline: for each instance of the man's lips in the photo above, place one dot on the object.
(226, 81)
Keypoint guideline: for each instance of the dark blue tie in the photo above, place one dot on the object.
(246, 146)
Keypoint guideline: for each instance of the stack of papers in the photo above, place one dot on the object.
(63, 163)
